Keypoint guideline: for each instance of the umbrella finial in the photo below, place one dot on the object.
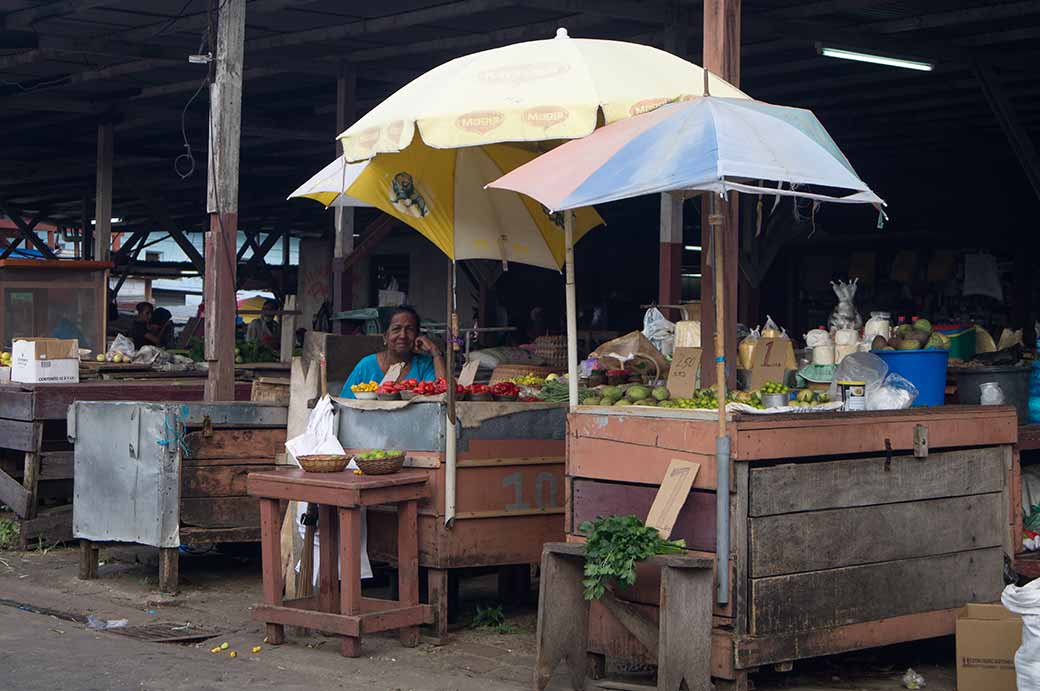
(707, 92)
(562, 33)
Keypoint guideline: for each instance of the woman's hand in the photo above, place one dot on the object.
(425, 345)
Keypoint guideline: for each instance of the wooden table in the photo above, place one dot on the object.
(339, 606)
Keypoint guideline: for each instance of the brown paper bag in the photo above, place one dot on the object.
(633, 351)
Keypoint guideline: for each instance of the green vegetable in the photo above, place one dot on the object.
(556, 391)
(615, 544)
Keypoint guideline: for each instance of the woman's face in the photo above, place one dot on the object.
(400, 337)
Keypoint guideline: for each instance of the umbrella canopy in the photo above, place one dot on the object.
(532, 91)
(708, 144)
(327, 185)
(441, 193)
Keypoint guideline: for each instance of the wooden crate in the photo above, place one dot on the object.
(840, 538)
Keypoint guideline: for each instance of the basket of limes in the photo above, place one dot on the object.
(380, 462)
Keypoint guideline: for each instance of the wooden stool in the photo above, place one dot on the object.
(681, 639)
(338, 607)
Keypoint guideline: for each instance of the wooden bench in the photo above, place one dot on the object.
(339, 607)
(681, 639)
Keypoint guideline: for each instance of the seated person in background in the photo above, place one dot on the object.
(160, 329)
(422, 359)
(264, 329)
(140, 326)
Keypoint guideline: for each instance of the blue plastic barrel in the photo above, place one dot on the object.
(926, 369)
(1034, 393)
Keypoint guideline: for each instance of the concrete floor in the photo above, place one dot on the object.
(45, 644)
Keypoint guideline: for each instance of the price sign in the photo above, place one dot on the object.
(392, 373)
(469, 373)
(770, 360)
(675, 488)
(682, 376)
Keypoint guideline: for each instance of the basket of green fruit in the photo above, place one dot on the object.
(379, 462)
(774, 394)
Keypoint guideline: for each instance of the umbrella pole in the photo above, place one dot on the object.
(572, 310)
(722, 442)
(450, 448)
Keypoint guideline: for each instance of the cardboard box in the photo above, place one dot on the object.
(988, 636)
(45, 361)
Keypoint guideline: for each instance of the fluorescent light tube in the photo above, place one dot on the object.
(876, 59)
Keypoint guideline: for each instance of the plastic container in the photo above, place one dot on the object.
(926, 369)
(962, 339)
(1014, 381)
(1034, 393)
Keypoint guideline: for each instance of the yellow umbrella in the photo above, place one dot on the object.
(532, 91)
(440, 193)
(327, 185)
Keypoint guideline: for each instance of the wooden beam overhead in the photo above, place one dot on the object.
(26, 17)
(1021, 143)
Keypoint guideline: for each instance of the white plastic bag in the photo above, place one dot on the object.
(990, 393)
(1026, 602)
(659, 331)
(320, 438)
(121, 346)
(845, 315)
(895, 393)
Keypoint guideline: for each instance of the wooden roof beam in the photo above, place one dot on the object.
(26, 17)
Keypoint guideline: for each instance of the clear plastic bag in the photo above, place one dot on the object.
(123, 347)
(895, 393)
(865, 367)
(659, 331)
(990, 393)
(845, 315)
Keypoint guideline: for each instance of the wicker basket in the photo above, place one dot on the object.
(381, 466)
(324, 463)
(552, 349)
(507, 372)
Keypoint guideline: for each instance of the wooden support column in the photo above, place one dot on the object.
(87, 232)
(343, 236)
(103, 194)
(721, 57)
(669, 290)
(225, 128)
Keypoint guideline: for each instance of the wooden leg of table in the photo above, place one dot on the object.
(88, 560)
(437, 586)
(408, 565)
(684, 641)
(350, 573)
(563, 621)
(169, 569)
(31, 474)
(328, 559)
(271, 556)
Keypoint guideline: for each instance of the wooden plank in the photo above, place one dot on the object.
(671, 496)
(695, 523)
(31, 473)
(52, 401)
(562, 633)
(57, 465)
(408, 565)
(796, 487)
(216, 480)
(685, 625)
(223, 512)
(103, 193)
(821, 599)
(51, 526)
(737, 607)
(199, 536)
(864, 433)
(503, 488)
(816, 540)
(765, 650)
(16, 404)
(256, 465)
(678, 433)
(14, 495)
(235, 443)
(604, 459)
(17, 434)
(169, 569)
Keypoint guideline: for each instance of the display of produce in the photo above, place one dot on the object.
(370, 387)
(615, 544)
(916, 336)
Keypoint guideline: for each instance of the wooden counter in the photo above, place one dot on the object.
(36, 457)
(840, 537)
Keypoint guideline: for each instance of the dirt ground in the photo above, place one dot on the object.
(48, 642)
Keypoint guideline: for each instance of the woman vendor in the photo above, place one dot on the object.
(422, 359)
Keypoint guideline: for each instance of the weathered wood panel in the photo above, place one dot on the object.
(217, 480)
(14, 495)
(838, 597)
(867, 432)
(223, 512)
(50, 526)
(16, 404)
(753, 651)
(603, 459)
(57, 465)
(816, 540)
(236, 443)
(865, 481)
(695, 436)
(53, 400)
(695, 524)
(18, 435)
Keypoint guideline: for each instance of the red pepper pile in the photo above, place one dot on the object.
(506, 388)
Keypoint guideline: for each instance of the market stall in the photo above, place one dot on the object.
(36, 456)
(846, 530)
(508, 497)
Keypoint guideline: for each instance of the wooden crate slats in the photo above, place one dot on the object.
(504, 489)
(16, 403)
(19, 435)
(605, 459)
(854, 594)
(817, 540)
(221, 512)
(235, 443)
(14, 495)
(865, 481)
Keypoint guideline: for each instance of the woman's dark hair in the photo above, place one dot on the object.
(405, 309)
(142, 306)
(273, 304)
(161, 316)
